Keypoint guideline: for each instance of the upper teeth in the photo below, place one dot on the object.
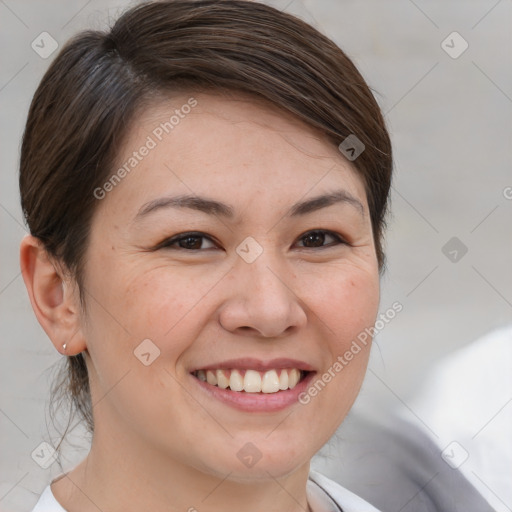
(252, 381)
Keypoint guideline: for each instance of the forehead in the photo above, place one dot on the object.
(218, 144)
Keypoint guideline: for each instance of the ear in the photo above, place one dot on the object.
(53, 296)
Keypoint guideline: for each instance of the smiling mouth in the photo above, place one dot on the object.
(252, 381)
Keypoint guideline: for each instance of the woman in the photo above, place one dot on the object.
(205, 186)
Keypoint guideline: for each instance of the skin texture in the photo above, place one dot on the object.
(160, 442)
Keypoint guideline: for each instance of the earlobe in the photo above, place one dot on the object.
(51, 295)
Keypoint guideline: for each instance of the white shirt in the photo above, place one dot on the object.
(324, 495)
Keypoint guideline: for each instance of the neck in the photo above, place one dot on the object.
(121, 473)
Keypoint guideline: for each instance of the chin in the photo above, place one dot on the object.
(249, 463)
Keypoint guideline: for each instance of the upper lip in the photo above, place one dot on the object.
(250, 363)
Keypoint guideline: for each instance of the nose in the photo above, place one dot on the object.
(262, 300)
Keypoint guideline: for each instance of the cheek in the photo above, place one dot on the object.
(346, 301)
(346, 305)
(163, 299)
(131, 306)
(164, 304)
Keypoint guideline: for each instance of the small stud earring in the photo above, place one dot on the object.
(64, 347)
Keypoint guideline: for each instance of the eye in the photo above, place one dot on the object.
(316, 238)
(194, 241)
(188, 241)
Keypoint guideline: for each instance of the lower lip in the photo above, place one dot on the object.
(256, 402)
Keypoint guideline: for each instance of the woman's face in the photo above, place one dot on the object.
(260, 283)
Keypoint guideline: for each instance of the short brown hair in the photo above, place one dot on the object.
(88, 97)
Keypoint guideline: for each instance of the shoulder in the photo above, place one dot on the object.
(47, 502)
(325, 493)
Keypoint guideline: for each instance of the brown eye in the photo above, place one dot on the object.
(191, 242)
(317, 238)
(187, 241)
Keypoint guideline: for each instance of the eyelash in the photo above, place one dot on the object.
(170, 242)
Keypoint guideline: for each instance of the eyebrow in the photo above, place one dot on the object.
(212, 207)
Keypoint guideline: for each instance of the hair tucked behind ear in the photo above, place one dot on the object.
(87, 100)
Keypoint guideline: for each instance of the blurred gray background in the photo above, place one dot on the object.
(449, 111)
